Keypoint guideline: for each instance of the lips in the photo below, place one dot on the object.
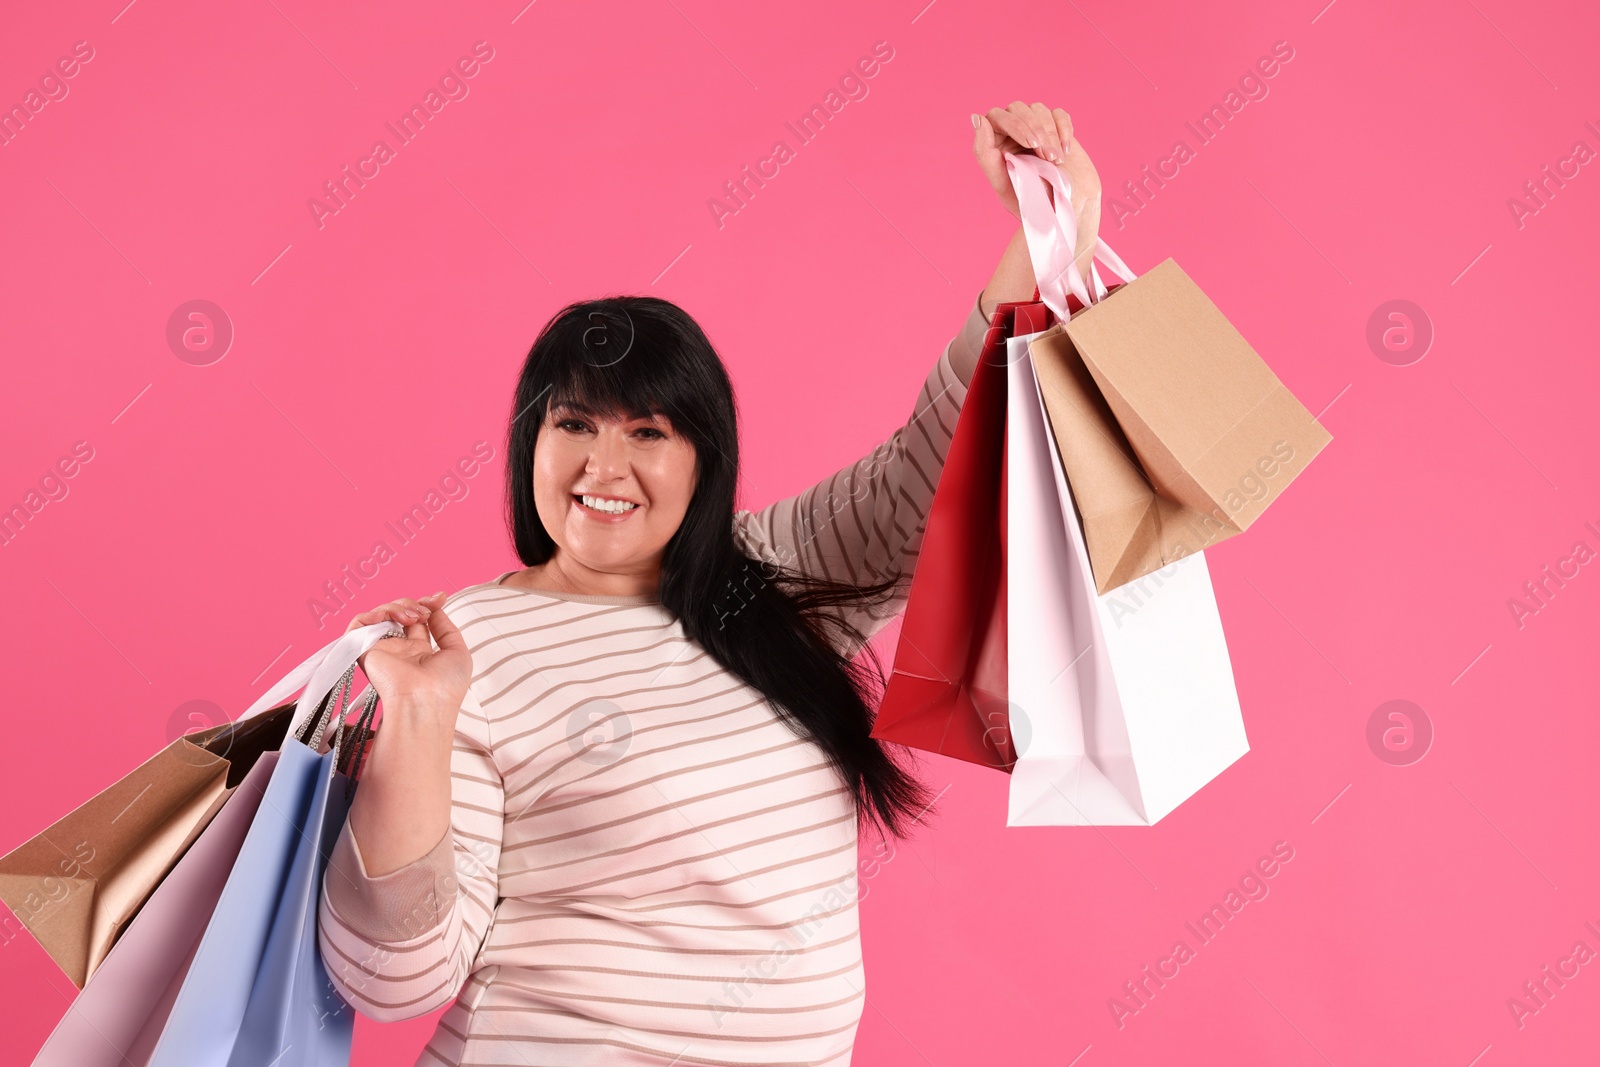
(608, 506)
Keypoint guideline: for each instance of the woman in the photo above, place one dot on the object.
(614, 813)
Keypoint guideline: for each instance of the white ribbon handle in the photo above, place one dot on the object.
(1052, 235)
(320, 672)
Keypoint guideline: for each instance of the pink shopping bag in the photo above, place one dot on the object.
(115, 1021)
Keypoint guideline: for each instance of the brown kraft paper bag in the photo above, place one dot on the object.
(78, 884)
(1173, 432)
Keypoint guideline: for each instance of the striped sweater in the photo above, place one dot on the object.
(645, 864)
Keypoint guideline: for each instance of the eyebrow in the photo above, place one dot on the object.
(582, 410)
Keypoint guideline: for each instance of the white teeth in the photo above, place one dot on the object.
(601, 504)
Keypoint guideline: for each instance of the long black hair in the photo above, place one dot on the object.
(632, 356)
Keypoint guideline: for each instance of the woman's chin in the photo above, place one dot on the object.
(602, 550)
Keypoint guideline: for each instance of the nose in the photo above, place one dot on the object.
(608, 455)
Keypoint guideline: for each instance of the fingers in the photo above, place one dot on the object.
(1031, 127)
(409, 613)
(1010, 127)
(1063, 125)
(1051, 146)
(983, 143)
(444, 631)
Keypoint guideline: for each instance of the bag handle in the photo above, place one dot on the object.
(1051, 232)
(320, 673)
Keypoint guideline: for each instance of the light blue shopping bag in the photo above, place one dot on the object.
(295, 1016)
(256, 993)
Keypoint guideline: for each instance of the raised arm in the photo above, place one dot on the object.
(864, 522)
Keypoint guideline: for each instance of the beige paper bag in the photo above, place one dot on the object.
(78, 884)
(1173, 432)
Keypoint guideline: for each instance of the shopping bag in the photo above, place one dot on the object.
(256, 992)
(946, 692)
(76, 885)
(1121, 706)
(1174, 433)
(1107, 710)
(115, 1021)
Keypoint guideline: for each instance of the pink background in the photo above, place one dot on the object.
(372, 352)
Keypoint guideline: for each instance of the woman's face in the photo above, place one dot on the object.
(643, 461)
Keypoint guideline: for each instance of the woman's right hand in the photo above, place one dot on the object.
(409, 671)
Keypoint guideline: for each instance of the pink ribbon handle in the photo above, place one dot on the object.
(1052, 235)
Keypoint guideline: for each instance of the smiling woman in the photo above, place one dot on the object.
(614, 483)
(614, 814)
(661, 759)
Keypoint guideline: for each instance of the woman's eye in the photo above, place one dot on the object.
(659, 436)
(570, 423)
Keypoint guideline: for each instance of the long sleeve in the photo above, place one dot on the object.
(864, 522)
(402, 944)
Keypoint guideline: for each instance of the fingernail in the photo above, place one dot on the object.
(439, 593)
(974, 120)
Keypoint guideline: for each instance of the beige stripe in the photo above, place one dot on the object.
(853, 505)
(648, 668)
(848, 846)
(674, 1059)
(685, 802)
(797, 538)
(429, 1050)
(787, 805)
(545, 650)
(911, 506)
(930, 430)
(494, 784)
(877, 528)
(682, 1057)
(826, 883)
(457, 1034)
(481, 603)
(362, 969)
(854, 935)
(362, 996)
(929, 482)
(725, 761)
(541, 606)
(808, 920)
(613, 653)
(612, 768)
(562, 994)
(845, 551)
(567, 626)
(562, 715)
(722, 853)
(949, 428)
(462, 804)
(662, 976)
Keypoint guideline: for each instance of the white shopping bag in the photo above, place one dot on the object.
(1122, 706)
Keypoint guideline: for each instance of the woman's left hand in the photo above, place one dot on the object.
(1038, 130)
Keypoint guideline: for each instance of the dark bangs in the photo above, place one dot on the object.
(626, 358)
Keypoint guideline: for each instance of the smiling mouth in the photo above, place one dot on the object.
(605, 505)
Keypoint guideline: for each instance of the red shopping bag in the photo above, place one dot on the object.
(947, 692)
